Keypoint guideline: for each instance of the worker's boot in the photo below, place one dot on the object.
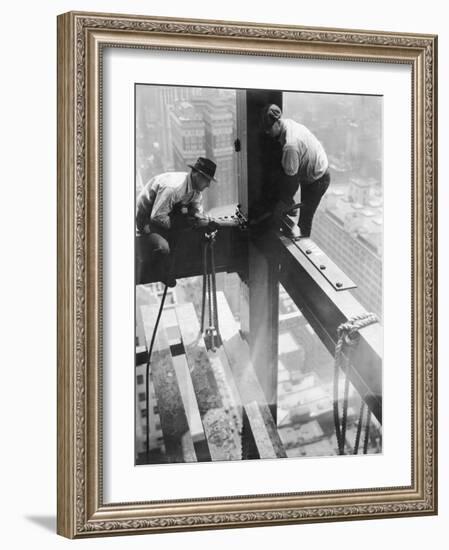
(167, 273)
(169, 281)
(293, 232)
(290, 225)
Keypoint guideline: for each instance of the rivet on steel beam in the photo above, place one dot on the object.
(308, 251)
(338, 285)
(322, 266)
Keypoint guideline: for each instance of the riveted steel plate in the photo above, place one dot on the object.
(329, 270)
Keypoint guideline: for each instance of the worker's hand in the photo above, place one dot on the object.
(213, 225)
(202, 222)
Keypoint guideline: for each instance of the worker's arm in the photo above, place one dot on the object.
(144, 207)
(290, 161)
(163, 207)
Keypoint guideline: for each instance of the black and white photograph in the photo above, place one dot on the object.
(247, 285)
(258, 270)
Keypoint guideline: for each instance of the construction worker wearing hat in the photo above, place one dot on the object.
(304, 166)
(159, 204)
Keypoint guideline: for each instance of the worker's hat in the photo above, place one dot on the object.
(270, 114)
(205, 167)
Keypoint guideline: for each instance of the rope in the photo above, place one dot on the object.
(150, 351)
(203, 303)
(344, 421)
(214, 293)
(147, 372)
(367, 427)
(209, 296)
(210, 330)
(359, 428)
(348, 337)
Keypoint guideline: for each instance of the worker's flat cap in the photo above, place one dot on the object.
(270, 114)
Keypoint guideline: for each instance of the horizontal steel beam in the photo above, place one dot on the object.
(325, 308)
(231, 254)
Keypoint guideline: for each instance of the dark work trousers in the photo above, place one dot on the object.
(153, 255)
(311, 195)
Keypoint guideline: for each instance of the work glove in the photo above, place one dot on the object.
(205, 222)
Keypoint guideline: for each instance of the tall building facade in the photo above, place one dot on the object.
(188, 135)
(219, 118)
(348, 227)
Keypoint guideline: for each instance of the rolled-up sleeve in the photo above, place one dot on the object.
(162, 208)
(290, 161)
(144, 206)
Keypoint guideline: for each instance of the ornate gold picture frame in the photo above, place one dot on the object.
(83, 511)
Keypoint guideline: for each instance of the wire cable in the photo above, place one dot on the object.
(147, 373)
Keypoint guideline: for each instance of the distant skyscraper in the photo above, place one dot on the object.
(166, 99)
(351, 233)
(188, 135)
(149, 161)
(218, 116)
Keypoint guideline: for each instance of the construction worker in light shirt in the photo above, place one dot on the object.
(305, 167)
(159, 206)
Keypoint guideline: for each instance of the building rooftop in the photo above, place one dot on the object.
(364, 220)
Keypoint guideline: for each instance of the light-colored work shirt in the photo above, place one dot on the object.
(302, 153)
(161, 194)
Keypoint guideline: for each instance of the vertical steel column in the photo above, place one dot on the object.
(241, 145)
(263, 272)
